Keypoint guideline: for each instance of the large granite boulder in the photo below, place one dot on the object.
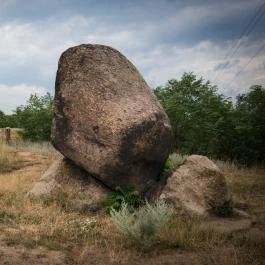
(107, 120)
(197, 187)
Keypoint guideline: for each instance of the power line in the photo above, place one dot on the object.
(247, 30)
(250, 26)
(246, 65)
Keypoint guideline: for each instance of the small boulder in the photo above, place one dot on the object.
(47, 182)
(63, 180)
(107, 120)
(197, 187)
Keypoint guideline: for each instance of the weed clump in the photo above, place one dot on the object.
(143, 224)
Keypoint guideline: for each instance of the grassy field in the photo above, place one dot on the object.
(35, 231)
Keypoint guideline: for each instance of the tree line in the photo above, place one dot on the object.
(34, 118)
(203, 121)
(208, 123)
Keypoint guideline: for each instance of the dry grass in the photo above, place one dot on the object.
(86, 239)
(15, 134)
(9, 161)
(186, 233)
(18, 145)
(41, 148)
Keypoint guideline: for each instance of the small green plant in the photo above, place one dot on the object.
(225, 210)
(169, 167)
(116, 198)
(143, 224)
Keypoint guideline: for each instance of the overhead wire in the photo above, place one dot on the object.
(248, 29)
(248, 62)
(250, 26)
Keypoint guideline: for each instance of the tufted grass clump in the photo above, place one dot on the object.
(177, 159)
(173, 162)
(143, 224)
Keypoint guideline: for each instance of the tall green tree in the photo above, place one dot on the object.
(200, 117)
(8, 120)
(36, 117)
(2, 119)
(249, 120)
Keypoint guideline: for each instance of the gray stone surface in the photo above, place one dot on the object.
(47, 183)
(107, 120)
(196, 187)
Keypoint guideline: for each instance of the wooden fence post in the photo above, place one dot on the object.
(2, 135)
(7, 135)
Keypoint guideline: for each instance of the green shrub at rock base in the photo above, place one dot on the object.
(129, 196)
(169, 167)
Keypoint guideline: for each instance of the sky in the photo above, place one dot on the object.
(162, 38)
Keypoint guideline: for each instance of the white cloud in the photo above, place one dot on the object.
(39, 45)
(119, 39)
(165, 62)
(13, 96)
(190, 18)
(243, 74)
(35, 47)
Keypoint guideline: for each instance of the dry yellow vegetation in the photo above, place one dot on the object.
(35, 231)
